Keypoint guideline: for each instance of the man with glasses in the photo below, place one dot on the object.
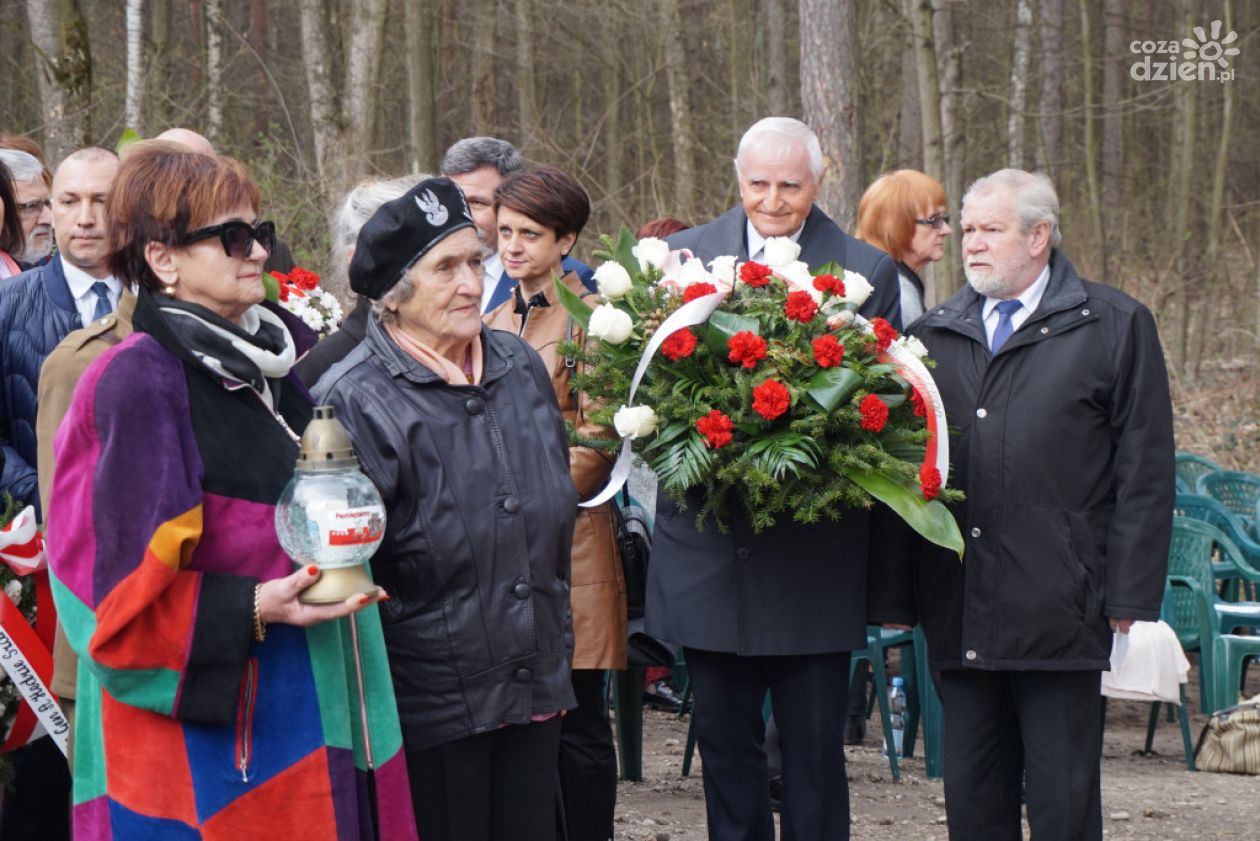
(33, 205)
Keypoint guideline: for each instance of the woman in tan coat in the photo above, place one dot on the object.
(540, 214)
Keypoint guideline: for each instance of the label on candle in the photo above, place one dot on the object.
(348, 536)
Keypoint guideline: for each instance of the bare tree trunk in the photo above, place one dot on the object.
(1019, 85)
(134, 100)
(160, 73)
(529, 134)
(485, 92)
(1091, 138)
(611, 141)
(1114, 71)
(946, 276)
(1051, 106)
(418, 21)
(197, 37)
(258, 43)
(909, 120)
(929, 89)
(449, 77)
(776, 54)
(1182, 182)
(64, 61)
(830, 87)
(360, 93)
(214, 70)
(681, 119)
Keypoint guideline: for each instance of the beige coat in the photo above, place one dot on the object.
(57, 379)
(598, 586)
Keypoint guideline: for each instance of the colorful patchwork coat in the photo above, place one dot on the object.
(161, 523)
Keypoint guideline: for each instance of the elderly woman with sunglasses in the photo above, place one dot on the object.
(458, 427)
(903, 214)
(212, 703)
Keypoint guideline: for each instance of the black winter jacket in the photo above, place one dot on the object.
(1063, 444)
(480, 512)
(36, 313)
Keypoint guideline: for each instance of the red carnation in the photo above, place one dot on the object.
(829, 283)
(930, 479)
(698, 290)
(755, 274)
(874, 413)
(828, 352)
(885, 333)
(800, 307)
(716, 429)
(304, 278)
(746, 348)
(679, 344)
(771, 399)
(920, 407)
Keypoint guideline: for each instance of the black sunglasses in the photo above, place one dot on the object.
(237, 237)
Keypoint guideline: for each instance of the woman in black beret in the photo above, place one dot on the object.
(458, 427)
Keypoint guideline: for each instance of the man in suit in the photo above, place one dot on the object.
(479, 165)
(783, 609)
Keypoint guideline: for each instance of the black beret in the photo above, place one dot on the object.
(403, 231)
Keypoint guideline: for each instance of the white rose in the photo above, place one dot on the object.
(691, 272)
(635, 421)
(780, 251)
(797, 273)
(856, 288)
(14, 588)
(649, 251)
(841, 319)
(723, 268)
(915, 346)
(612, 280)
(610, 324)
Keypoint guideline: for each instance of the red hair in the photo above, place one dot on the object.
(890, 205)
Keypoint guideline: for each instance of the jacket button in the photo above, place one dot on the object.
(975, 532)
(1045, 330)
(473, 405)
(970, 655)
(511, 505)
(982, 413)
(743, 554)
(524, 675)
(1084, 312)
(521, 590)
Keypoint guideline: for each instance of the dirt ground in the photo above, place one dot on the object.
(1152, 798)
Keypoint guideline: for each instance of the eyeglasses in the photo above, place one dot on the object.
(33, 208)
(237, 237)
(935, 220)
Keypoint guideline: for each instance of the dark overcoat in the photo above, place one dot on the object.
(1063, 443)
(791, 589)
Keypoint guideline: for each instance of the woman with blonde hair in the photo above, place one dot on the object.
(903, 213)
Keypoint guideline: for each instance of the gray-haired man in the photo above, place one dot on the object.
(33, 205)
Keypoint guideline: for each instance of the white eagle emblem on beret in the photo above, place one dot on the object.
(434, 211)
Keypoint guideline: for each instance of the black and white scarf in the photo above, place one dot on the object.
(250, 353)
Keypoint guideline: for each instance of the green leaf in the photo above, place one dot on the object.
(830, 267)
(892, 401)
(128, 137)
(622, 250)
(579, 309)
(930, 519)
(723, 325)
(271, 287)
(831, 388)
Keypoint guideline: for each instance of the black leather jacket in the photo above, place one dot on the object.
(480, 513)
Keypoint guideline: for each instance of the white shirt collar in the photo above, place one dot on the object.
(492, 271)
(80, 282)
(1030, 298)
(756, 241)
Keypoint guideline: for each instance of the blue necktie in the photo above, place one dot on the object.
(103, 306)
(1004, 326)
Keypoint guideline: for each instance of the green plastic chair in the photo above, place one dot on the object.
(878, 641)
(1190, 556)
(1191, 468)
(1244, 571)
(1238, 492)
(1223, 658)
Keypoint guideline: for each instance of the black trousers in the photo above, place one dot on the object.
(807, 693)
(37, 808)
(496, 786)
(1039, 728)
(588, 761)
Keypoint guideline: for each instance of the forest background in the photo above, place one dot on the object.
(1144, 112)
